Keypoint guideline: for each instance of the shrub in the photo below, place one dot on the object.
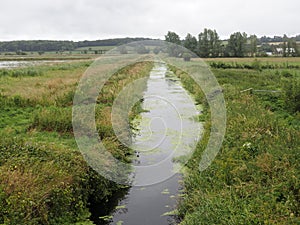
(53, 119)
(291, 90)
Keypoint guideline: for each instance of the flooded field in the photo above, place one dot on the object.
(16, 64)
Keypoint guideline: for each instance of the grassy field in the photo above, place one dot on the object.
(95, 48)
(43, 177)
(255, 177)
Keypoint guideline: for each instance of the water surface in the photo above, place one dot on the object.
(24, 63)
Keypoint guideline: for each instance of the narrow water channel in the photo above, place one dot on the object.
(167, 134)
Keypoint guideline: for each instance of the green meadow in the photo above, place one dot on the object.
(43, 176)
(255, 179)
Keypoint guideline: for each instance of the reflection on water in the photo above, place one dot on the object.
(166, 131)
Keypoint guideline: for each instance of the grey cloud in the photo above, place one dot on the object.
(94, 19)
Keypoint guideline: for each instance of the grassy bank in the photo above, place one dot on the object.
(255, 177)
(43, 177)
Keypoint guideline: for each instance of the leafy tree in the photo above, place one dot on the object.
(173, 38)
(209, 44)
(296, 48)
(173, 49)
(190, 43)
(253, 45)
(215, 43)
(284, 46)
(237, 44)
(203, 44)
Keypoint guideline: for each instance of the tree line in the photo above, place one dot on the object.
(48, 45)
(209, 44)
(206, 44)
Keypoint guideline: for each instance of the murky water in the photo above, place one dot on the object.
(16, 64)
(167, 131)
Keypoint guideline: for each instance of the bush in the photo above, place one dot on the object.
(53, 119)
(291, 90)
(68, 184)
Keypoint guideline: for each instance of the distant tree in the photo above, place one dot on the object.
(253, 45)
(190, 42)
(203, 44)
(284, 46)
(215, 43)
(237, 44)
(296, 48)
(209, 44)
(173, 38)
(173, 49)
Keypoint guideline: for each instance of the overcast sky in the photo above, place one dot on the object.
(100, 19)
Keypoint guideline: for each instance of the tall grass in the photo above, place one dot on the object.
(45, 181)
(255, 177)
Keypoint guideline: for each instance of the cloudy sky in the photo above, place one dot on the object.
(100, 19)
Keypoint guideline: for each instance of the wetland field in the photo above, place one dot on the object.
(255, 178)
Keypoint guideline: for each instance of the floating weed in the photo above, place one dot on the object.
(165, 192)
(171, 213)
(121, 207)
(106, 218)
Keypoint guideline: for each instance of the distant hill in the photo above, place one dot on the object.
(49, 45)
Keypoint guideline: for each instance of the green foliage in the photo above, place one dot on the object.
(30, 72)
(42, 46)
(191, 43)
(254, 65)
(255, 177)
(46, 185)
(291, 89)
(173, 49)
(172, 37)
(237, 44)
(209, 44)
(53, 119)
(43, 178)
